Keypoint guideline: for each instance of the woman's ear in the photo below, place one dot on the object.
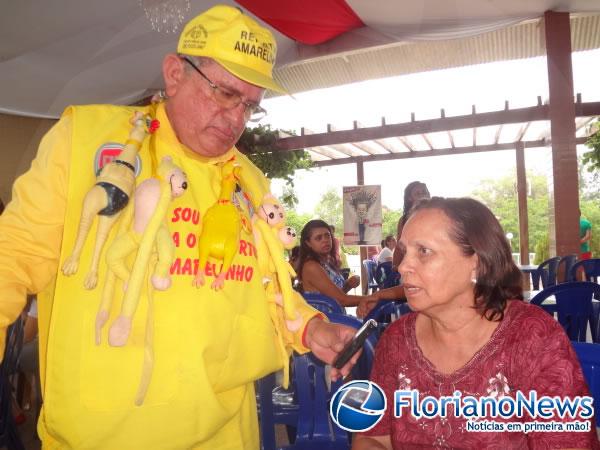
(475, 267)
(173, 73)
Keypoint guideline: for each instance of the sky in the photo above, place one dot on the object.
(486, 86)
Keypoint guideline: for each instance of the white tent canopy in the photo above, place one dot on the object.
(60, 52)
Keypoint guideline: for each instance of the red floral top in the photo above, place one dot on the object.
(527, 351)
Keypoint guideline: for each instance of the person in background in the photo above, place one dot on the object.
(585, 238)
(387, 251)
(185, 378)
(294, 253)
(470, 332)
(413, 192)
(316, 273)
(336, 256)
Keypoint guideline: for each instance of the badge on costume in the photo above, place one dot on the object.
(108, 152)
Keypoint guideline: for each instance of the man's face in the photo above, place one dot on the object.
(361, 210)
(199, 121)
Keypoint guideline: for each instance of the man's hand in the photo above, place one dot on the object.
(326, 340)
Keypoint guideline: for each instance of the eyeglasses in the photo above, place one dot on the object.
(230, 100)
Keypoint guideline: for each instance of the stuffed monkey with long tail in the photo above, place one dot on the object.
(108, 197)
(149, 231)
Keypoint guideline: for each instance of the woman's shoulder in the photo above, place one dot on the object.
(311, 266)
(520, 311)
(403, 327)
(530, 322)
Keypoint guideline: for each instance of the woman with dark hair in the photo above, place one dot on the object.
(471, 340)
(387, 249)
(413, 192)
(318, 273)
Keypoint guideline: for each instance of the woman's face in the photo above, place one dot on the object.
(435, 273)
(320, 241)
(391, 243)
(419, 192)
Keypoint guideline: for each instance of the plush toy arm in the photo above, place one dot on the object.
(166, 252)
(119, 331)
(140, 265)
(281, 267)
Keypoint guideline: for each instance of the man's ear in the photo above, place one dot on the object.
(173, 73)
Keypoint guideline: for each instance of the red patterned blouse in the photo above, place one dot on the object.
(527, 351)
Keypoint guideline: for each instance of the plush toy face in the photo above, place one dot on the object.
(287, 235)
(271, 213)
(178, 181)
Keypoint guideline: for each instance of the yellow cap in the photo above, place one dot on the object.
(234, 40)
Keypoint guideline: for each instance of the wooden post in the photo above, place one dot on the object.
(522, 204)
(562, 125)
(364, 278)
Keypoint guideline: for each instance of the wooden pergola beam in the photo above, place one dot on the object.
(383, 144)
(440, 152)
(520, 115)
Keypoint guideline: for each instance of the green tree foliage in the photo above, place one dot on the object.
(390, 221)
(542, 250)
(330, 210)
(500, 195)
(591, 159)
(259, 145)
(296, 221)
(590, 210)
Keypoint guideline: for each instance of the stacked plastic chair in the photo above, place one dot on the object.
(312, 394)
(9, 435)
(591, 268)
(370, 267)
(589, 358)
(386, 311)
(567, 262)
(573, 306)
(323, 303)
(546, 273)
(385, 277)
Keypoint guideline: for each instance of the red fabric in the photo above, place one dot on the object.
(307, 21)
(528, 351)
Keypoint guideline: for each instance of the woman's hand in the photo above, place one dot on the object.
(351, 283)
(366, 305)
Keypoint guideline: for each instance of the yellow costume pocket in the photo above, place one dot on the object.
(251, 354)
(113, 374)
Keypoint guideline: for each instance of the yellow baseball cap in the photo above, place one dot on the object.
(234, 40)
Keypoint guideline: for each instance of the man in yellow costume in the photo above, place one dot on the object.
(207, 346)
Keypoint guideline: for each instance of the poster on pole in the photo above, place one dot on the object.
(362, 215)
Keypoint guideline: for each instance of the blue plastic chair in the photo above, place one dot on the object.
(546, 273)
(589, 358)
(9, 435)
(567, 262)
(323, 303)
(370, 267)
(574, 307)
(591, 267)
(385, 277)
(386, 311)
(314, 429)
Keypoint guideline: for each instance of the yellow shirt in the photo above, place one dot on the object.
(208, 346)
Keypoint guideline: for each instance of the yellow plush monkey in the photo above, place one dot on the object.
(149, 230)
(107, 198)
